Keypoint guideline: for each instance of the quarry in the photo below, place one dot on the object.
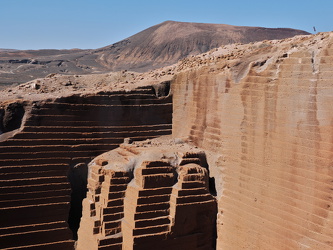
(228, 149)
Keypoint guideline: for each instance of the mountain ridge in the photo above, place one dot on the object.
(157, 46)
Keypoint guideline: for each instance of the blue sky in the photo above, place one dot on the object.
(65, 24)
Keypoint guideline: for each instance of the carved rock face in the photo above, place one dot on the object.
(146, 199)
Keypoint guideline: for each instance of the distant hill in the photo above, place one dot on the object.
(157, 46)
(7, 50)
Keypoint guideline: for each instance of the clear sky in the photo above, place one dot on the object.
(65, 24)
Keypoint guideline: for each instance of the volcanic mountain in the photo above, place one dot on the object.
(157, 46)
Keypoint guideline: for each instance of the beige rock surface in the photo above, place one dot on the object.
(265, 114)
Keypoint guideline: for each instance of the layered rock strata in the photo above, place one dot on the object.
(262, 114)
(56, 140)
(264, 111)
(148, 196)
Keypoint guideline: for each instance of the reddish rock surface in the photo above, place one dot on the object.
(148, 195)
(55, 141)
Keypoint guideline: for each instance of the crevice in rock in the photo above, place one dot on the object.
(11, 117)
(211, 181)
(162, 89)
(2, 114)
(77, 176)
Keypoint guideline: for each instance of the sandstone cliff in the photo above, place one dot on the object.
(264, 111)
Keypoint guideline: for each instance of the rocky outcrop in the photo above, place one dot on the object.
(56, 140)
(148, 195)
(264, 112)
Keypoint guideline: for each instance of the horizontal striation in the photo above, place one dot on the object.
(57, 134)
(270, 138)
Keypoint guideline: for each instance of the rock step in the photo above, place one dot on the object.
(153, 164)
(153, 199)
(34, 214)
(63, 245)
(185, 161)
(152, 222)
(193, 177)
(151, 214)
(95, 111)
(154, 237)
(111, 228)
(208, 203)
(67, 108)
(36, 201)
(111, 224)
(157, 170)
(16, 169)
(111, 210)
(112, 217)
(88, 105)
(34, 188)
(32, 227)
(156, 180)
(191, 184)
(105, 98)
(194, 198)
(107, 94)
(48, 154)
(87, 108)
(53, 121)
(31, 174)
(87, 129)
(92, 110)
(189, 241)
(117, 180)
(118, 246)
(44, 161)
(194, 191)
(118, 137)
(34, 195)
(12, 145)
(152, 207)
(33, 181)
(112, 203)
(112, 188)
(151, 230)
(148, 199)
(155, 191)
(63, 123)
(34, 237)
(136, 115)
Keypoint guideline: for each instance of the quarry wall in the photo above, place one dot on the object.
(260, 113)
(148, 195)
(43, 164)
(266, 124)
